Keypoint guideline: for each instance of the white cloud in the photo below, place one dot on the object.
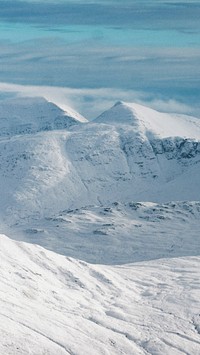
(91, 102)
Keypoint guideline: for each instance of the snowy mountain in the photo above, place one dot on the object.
(151, 123)
(121, 189)
(133, 159)
(51, 304)
(30, 115)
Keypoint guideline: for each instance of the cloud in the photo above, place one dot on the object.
(127, 45)
(172, 72)
(161, 73)
(92, 102)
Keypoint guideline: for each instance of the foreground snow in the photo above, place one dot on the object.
(50, 304)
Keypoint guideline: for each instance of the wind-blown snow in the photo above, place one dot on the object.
(51, 304)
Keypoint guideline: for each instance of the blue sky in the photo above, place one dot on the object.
(148, 48)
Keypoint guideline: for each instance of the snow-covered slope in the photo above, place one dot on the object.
(117, 233)
(30, 115)
(51, 171)
(50, 304)
(151, 122)
(117, 163)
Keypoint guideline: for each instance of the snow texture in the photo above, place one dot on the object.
(56, 305)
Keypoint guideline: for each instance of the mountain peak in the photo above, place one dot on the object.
(119, 103)
(150, 122)
(23, 115)
(120, 113)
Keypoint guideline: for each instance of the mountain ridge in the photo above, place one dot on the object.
(150, 122)
(25, 115)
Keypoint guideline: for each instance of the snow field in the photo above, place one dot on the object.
(53, 304)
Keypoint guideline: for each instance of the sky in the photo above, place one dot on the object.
(89, 54)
